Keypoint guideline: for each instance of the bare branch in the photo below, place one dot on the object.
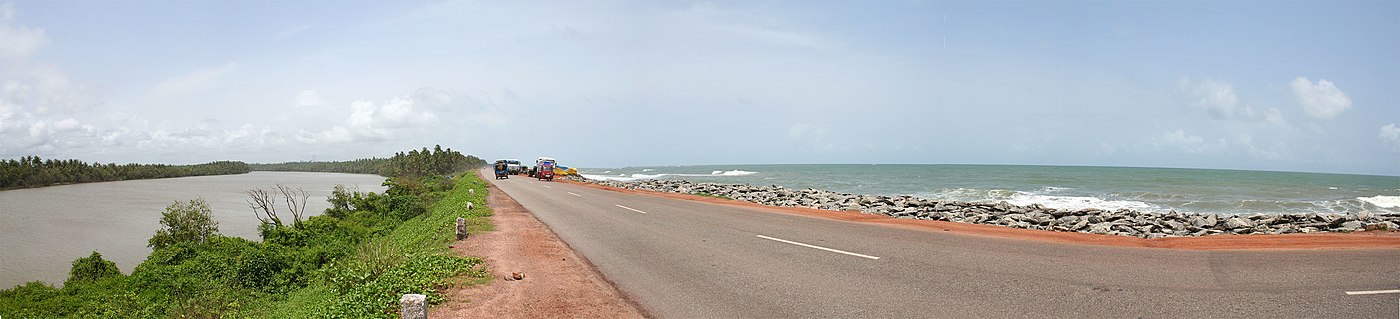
(264, 206)
(294, 204)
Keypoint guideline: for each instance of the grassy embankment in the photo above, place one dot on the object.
(354, 261)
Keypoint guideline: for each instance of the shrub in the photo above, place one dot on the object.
(190, 222)
(91, 268)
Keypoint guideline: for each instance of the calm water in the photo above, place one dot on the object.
(45, 229)
(1144, 189)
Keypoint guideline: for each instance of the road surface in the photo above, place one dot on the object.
(688, 259)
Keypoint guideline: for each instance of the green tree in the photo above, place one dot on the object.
(188, 222)
(91, 268)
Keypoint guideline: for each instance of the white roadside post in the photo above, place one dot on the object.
(461, 228)
(413, 306)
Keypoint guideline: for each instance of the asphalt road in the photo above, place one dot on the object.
(686, 259)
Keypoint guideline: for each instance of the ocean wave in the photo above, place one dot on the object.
(1382, 201)
(634, 177)
(729, 173)
(621, 178)
(1039, 197)
(1077, 202)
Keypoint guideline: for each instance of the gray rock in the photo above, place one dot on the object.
(1238, 223)
(1353, 225)
(1359, 216)
(1207, 221)
(1101, 228)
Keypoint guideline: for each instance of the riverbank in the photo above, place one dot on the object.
(1088, 226)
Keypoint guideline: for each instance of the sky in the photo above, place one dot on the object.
(1288, 86)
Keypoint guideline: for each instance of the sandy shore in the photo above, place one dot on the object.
(1355, 240)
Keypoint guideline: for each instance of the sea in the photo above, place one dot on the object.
(1230, 192)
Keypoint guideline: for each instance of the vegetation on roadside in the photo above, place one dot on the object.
(32, 171)
(353, 261)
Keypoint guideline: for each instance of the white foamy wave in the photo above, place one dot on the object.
(634, 177)
(733, 173)
(608, 178)
(1077, 202)
(1382, 201)
(648, 170)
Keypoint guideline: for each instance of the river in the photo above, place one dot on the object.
(45, 229)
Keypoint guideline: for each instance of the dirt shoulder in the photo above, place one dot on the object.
(558, 283)
(1356, 240)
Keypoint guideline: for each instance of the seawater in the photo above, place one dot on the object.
(1065, 187)
(45, 229)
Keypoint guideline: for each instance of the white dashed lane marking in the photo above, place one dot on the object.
(631, 209)
(1374, 292)
(818, 247)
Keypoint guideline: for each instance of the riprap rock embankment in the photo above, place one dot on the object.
(1121, 222)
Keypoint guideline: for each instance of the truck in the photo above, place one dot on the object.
(513, 166)
(502, 169)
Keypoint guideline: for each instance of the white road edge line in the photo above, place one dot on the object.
(547, 186)
(631, 209)
(1374, 292)
(817, 247)
(572, 193)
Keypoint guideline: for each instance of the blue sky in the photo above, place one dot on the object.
(1294, 86)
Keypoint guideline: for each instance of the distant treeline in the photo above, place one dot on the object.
(32, 171)
(359, 166)
(414, 163)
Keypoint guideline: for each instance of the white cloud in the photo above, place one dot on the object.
(805, 131)
(309, 98)
(730, 24)
(1247, 142)
(17, 41)
(1179, 139)
(1390, 135)
(1184, 142)
(368, 121)
(1322, 100)
(1275, 117)
(810, 138)
(195, 81)
(248, 135)
(290, 31)
(1218, 98)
